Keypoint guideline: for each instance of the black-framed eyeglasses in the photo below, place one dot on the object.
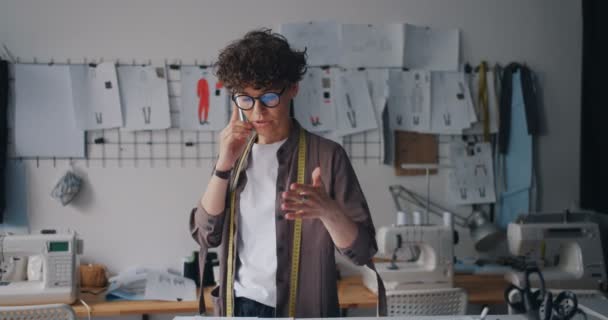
(268, 99)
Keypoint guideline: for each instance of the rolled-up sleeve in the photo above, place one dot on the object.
(346, 190)
(206, 229)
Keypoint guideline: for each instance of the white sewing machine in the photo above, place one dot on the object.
(431, 264)
(59, 279)
(569, 254)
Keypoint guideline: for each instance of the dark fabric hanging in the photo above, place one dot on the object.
(3, 133)
(594, 105)
(528, 87)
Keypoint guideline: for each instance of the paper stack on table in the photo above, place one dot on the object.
(149, 284)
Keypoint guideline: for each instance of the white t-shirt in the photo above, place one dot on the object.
(257, 242)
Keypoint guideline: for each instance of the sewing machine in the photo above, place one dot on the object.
(430, 264)
(59, 280)
(568, 252)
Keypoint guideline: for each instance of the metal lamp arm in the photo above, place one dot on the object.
(400, 192)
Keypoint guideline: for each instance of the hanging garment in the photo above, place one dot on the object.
(516, 164)
(529, 100)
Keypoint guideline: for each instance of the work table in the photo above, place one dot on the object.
(481, 289)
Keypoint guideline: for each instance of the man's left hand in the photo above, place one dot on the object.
(309, 201)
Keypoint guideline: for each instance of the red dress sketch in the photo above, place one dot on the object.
(202, 90)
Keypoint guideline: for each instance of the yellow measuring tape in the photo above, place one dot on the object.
(297, 232)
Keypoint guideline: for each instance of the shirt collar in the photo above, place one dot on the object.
(290, 145)
(292, 141)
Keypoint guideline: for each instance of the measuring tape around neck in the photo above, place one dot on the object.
(297, 232)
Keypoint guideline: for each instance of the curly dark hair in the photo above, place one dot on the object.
(261, 60)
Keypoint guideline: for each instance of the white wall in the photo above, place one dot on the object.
(139, 215)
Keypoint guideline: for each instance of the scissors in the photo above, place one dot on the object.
(529, 301)
(564, 307)
(539, 304)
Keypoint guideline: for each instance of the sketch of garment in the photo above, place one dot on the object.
(314, 106)
(144, 97)
(416, 103)
(452, 108)
(96, 96)
(351, 114)
(147, 112)
(99, 118)
(204, 102)
(202, 91)
(146, 109)
(472, 178)
(409, 100)
(354, 103)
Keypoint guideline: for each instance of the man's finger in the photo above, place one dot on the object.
(241, 124)
(302, 188)
(298, 197)
(241, 129)
(291, 197)
(316, 177)
(234, 117)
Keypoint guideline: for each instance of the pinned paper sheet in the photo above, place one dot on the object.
(45, 125)
(319, 39)
(415, 149)
(377, 82)
(452, 108)
(477, 127)
(204, 100)
(372, 45)
(409, 101)
(431, 49)
(354, 109)
(96, 97)
(471, 179)
(144, 96)
(314, 105)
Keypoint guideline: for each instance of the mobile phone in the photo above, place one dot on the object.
(242, 116)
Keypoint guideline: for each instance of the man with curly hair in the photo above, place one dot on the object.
(262, 73)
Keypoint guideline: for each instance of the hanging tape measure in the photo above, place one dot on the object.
(297, 232)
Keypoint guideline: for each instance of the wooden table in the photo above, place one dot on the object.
(482, 289)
